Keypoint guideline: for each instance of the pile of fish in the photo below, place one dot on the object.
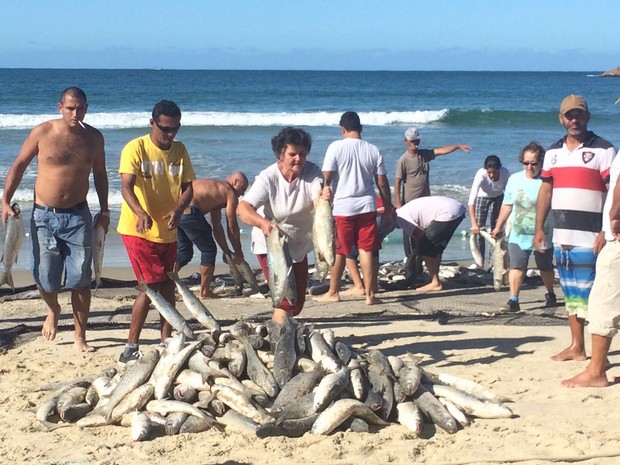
(266, 379)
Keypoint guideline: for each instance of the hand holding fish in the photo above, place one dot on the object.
(103, 220)
(540, 241)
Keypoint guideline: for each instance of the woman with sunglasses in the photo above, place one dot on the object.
(518, 213)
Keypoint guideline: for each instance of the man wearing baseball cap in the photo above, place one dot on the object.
(412, 182)
(575, 177)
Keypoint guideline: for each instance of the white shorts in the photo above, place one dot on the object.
(604, 302)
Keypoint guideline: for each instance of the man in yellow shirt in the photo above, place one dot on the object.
(156, 179)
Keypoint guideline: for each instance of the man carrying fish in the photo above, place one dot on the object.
(575, 177)
(156, 181)
(352, 166)
(288, 189)
(210, 196)
(67, 150)
(431, 222)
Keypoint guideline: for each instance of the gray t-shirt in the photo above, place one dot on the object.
(413, 171)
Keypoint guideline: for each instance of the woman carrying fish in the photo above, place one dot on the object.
(519, 210)
(288, 190)
(485, 199)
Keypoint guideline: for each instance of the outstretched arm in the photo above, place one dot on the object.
(451, 148)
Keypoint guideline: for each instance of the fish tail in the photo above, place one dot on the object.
(173, 275)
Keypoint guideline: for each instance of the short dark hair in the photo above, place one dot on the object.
(351, 121)
(290, 136)
(166, 108)
(73, 92)
(493, 162)
(533, 147)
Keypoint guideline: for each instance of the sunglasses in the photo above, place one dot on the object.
(168, 129)
(530, 163)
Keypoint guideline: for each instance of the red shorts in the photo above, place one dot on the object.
(150, 260)
(301, 282)
(357, 231)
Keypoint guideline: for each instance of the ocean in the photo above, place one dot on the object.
(229, 118)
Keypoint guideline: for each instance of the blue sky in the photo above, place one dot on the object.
(539, 35)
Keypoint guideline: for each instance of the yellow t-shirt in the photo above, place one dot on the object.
(159, 175)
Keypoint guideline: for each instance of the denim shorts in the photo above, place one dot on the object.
(62, 242)
(195, 229)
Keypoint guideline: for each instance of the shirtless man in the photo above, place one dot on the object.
(210, 196)
(66, 150)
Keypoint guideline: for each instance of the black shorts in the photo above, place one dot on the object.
(437, 236)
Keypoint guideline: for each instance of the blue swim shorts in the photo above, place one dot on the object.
(577, 268)
(62, 241)
(195, 229)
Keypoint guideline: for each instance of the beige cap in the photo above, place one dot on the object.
(573, 102)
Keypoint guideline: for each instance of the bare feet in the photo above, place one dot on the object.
(209, 295)
(587, 379)
(328, 298)
(569, 353)
(430, 287)
(354, 292)
(372, 300)
(50, 327)
(81, 346)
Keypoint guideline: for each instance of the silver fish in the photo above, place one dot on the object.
(70, 398)
(248, 275)
(322, 354)
(470, 404)
(135, 400)
(455, 411)
(241, 403)
(134, 376)
(235, 274)
(98, 248)
(167, 374)
(141, 427)
(194, 425)
(185, 393)
(467, 385)
(323, 238)
(235, 422)
(13, 237)
(165, 407)
(195, 305)
(409, 415)
(174, 421)
(282, 338)
(500, 258)
(341, 410)
(73, 413)
(435, 410)
(330, 387)
(281, 275)
(475, 251)
(290, 428)
(298, 386)
(48, 409)
(167, 310)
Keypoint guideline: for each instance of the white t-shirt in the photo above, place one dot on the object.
(421, 212)
(355, 164)
(614, 172)
(289, 205)
(484, 187)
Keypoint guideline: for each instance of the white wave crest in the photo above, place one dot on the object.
(121, 120)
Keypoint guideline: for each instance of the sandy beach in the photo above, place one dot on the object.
(456, 331)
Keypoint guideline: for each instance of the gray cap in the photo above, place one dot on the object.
(412, 134)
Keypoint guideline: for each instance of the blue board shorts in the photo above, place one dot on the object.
(62, 241)
(195, 229)
(577, 268)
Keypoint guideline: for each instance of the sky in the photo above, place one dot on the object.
(407, 35)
